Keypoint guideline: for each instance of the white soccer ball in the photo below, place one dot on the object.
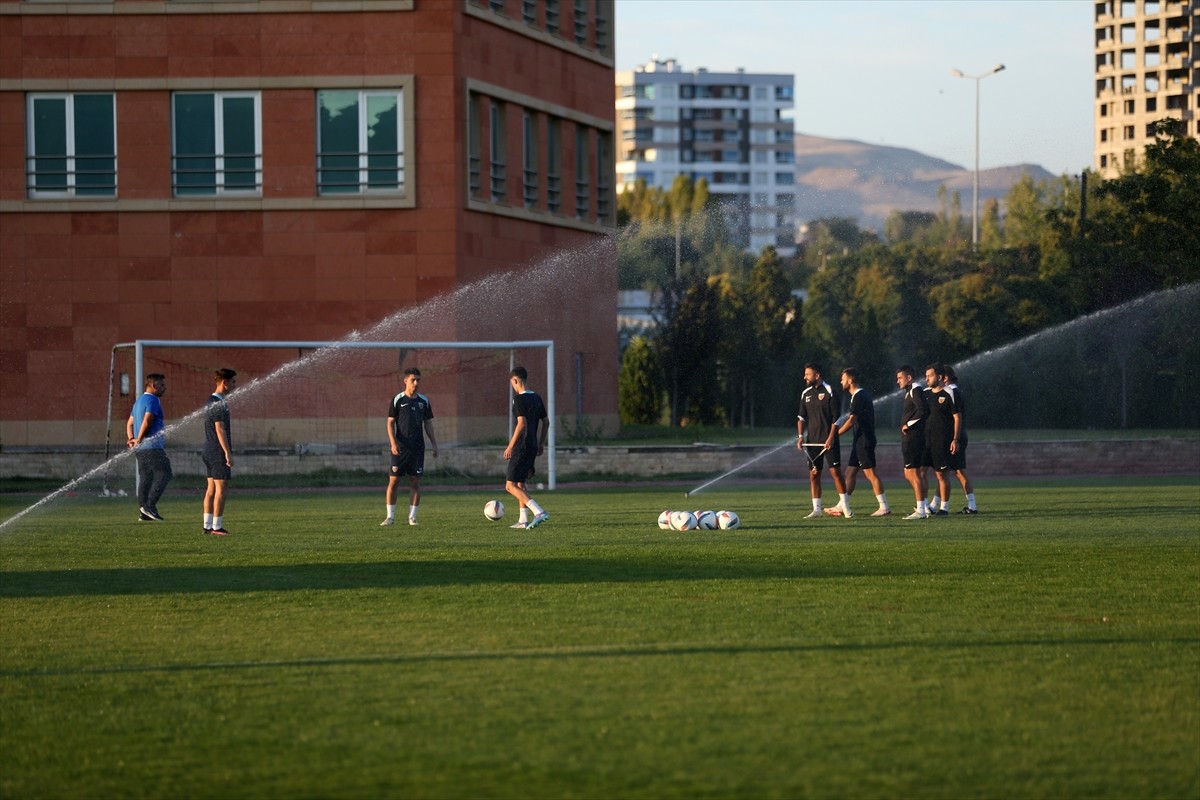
(493, 510)
(664, 520)
(706, 520)
(683, 521)
(727, 520)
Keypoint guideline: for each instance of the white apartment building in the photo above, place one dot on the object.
(726, 127)
(1146, 70)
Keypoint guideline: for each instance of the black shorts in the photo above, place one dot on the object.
(862, 454)
(520, 469)
(215, 466)
(409, 462)
(912, 449)
(937, 453)
(830, 458)
(959, 460)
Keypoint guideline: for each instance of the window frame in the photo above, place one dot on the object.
(364, 167)
(71, 189)
(219, 170)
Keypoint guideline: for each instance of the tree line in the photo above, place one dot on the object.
(733, 331)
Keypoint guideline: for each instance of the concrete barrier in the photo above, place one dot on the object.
(985, 459)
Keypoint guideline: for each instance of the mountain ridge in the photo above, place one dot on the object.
(866, 182)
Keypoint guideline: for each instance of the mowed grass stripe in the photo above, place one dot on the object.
(1048, 647)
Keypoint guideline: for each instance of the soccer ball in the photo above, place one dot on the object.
(706, 520)
(664, 520)
(493, 510)
(683, 521)
(727, 520)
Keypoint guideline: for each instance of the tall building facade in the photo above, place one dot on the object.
(297, 170)
(1146, 70)
(726, 127)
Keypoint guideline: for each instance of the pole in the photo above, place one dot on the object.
(975, 181)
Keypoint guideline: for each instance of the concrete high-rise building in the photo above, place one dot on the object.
(1146, 70)
(296, 170)
(726, 127)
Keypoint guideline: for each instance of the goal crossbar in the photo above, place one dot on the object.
(139, 346)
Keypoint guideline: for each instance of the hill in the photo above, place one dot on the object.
(846, 178)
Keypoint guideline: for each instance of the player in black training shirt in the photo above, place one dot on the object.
(912, 438)
(818, 413)
(861, 419)
(941, 431)
(527, 443)
(410, 420)
(959, 459)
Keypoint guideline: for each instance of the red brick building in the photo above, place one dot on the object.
(297, 170)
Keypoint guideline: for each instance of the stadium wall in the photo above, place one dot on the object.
(1106, 457)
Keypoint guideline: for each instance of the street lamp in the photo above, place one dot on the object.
(958, 73)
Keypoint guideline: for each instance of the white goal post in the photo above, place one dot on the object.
(139, 347)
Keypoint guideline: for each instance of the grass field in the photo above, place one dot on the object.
(1049, 647)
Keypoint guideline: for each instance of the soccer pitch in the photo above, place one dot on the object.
(1049, 647)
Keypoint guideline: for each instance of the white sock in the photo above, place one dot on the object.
(923, 506)
(412, 512)
(535, 508)
(946, 504)
(935, 502)
(208, 522)
(845, 501)
(971, 501)
(882, 498)
(816, 504)
(524, 515)
(391, 511)
(217, 523)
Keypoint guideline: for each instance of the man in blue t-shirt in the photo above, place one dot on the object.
(144, 435)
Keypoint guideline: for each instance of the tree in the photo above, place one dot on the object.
(640, 384)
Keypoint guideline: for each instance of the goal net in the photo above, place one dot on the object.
(303, 406)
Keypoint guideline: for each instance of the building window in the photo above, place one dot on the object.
(72, 145)
(1104, 134)
(216, 143)
(529, 137)
(529, 11)
(581, 23)
(1151, 104)
(474, 147)
(551, 16)
(582, 169)
(1103, 162)
(498, 151)
(360, 136)
(554, 160)
(602, 42)
(604, 171)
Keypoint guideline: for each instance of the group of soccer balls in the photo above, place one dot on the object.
(698, 520)
(667, 520)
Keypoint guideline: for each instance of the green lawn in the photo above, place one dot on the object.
(1049, 647)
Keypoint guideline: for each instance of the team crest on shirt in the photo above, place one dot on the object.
(941, 400)
(821, 396)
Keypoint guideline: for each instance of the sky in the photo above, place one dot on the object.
(879, 71)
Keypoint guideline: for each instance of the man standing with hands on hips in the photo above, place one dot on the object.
(144, 435)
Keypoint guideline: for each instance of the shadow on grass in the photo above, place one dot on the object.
(628, 650)
(406, 575)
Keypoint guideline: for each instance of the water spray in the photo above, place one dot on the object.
(740, 467)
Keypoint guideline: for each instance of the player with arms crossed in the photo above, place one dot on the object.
(144, 434)
(527, 443)
(410, 420)
(862, 448)
(218, 452)
(912, 438)
(818, 413)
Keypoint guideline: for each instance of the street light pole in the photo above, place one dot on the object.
(975, 187)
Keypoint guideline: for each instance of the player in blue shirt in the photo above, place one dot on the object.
(144, 435)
